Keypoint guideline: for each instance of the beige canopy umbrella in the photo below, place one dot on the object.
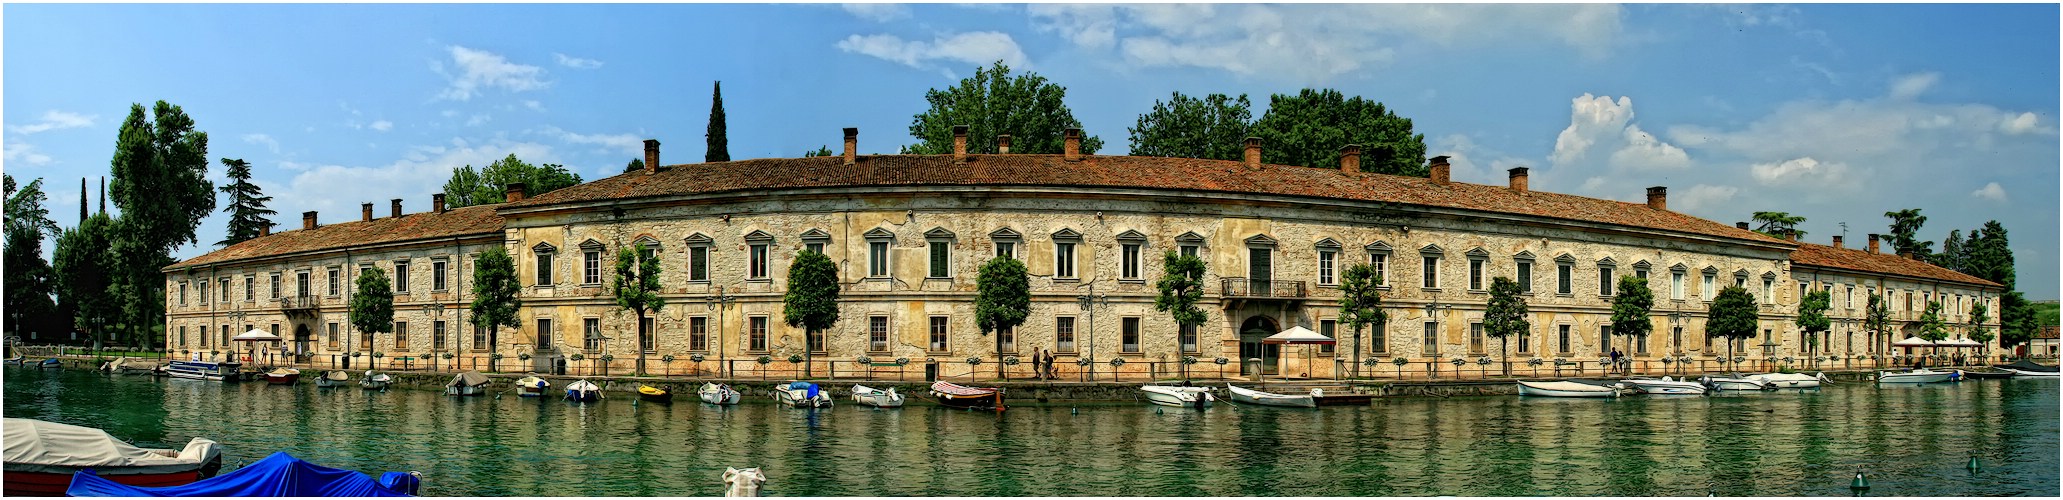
(255, 335)
(1297, 335)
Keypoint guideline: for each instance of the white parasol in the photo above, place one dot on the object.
(1297, 335)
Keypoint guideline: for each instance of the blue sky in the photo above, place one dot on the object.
(1835, 112)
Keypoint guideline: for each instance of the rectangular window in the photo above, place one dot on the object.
(815, 341)
(877, 259)
(1063, 334)
(941, 259)
(437, 335)
(1475, 274)
(182, 336)
(1475, 338)
(1188, 250)
(1432, 339)
(1063, 260)
(1604, 281)
(301, 284)
(698, 263)
(544, 341)
(877, 333)
(1676, 286)
(1007, 337)
(1381, 263)
(1604, 338)
(331, 337)
(698, 333)
(544, 269)
(755, 331)
(335, 282)
(201, 292)
(1707, 290)
(1562, 274)
(590, 268)
(758, 270)
(1431, 270)
(1326, 327)
(1378, 340)
(364, 339)
(590, 332)
(1189, 341)
(250, 288)
(1130, 339)
(1526, 342)
(648, 334)
(938, 334)
(1006, 249)
(225, 290)
(1801, 292)
(401, 277)
(1562, 339)
(813, 247)
(1640, 344)
(1129, 262)
(1768, 292)
(1525, 277)
(1640, 273)
(182, 299)
(204, 337)
(274, 278)
(1325, 274)
(1675, 338)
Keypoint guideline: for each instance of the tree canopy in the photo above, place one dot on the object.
(1181, 288)
(635, 164)
(636, 288)
(1361, 303)
(1630, 308)
(1877, 317)
(30, 280)
(812, 299)
(992, 102)
(1214, 127)
(1905, 230)
(1505, 315)
(496, 298)
(1003, 297)
(489, 185)
(821, 151)
(1812, 316)
(160, 170)
(1732, 316)
(85, 269)
(1979, 315)
(1307, 129)
(1778, 224)
(719, 143)
(372, 306)
(247, 212)
(1932, 328)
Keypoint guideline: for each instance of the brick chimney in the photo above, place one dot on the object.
(515, 191)
(397, 208)
(1252, 159)
(367, 209)
(265, 230)
(437, 203)
(1740, 225)
(1791, 236)
(651, 157)
(960, 143)
(1873, 243)
(852, 144)
(1518, 178)
(1658, 198)
(1071, 147)
(1439, 170)
(1350, 159)
(308, 219)
(1003, 144)
(1837, 241)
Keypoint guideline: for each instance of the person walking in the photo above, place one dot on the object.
(1615, 359)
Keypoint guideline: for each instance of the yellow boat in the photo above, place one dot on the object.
(649, 393)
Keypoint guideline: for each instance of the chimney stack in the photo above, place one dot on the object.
(515, 191)
(1439, 170)
(1350, 159)
(265, 230)
(397, 208)
(1837, 241)
(1873, 243)
(852, 144)
(1658, 198)
(651, 157)
(366, 208)
(1253, 153)
(437, 203)
(1740, 225)
(1791, 236)
(1518, 178)
(308, 219)
(1071, 148)
(960, 143)
(1003, 144)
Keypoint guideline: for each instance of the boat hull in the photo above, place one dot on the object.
(719, 395)
(374, 385)
(583, 391)
(1253, 397)
(1667, 386)
(799, 398)
(2025, 373)
(1923, 377)
(219, 372)
(45, 484)
(1179, 397)
(1564, 390)
(1787, 380)
(654, 394)
(532, 387)
(876, 398)
(1737, 384)
(282, 379)
(328, 380)
(957, 396)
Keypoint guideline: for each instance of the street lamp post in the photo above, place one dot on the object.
(236, 317)
(1088, 303)
(717, 302)
(1431, 309)
(436, 310)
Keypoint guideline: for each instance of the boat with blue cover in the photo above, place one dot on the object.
(802, 395)
(277, 475)
(583, 390)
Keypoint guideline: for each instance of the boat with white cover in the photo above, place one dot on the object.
(1915, 376)
(1253, 397)
(1565, 390)
(42, 456)
(1790, 380)
(375, 381)
(1665, 385)
(532, 387)
(719, 394)
(1735, 383)
(470, 383)
(333, 378)
(1184, 397)
(802, 395)
(876, 397)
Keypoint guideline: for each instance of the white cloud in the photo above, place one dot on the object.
(479, 70)
(534, 105)
(1910, 86)
(17, 151)
(263, 139)
(55, 120)
(382, 125)
(2019, 124)
(877, 12)
(1703, 197)
(575, 62)
(1991, 192)
(336, 190)
(449, 113)
(1086, 25)
(1800, 172)
(1598, 123)
(609, 143)
(980, 48)
(479, 119)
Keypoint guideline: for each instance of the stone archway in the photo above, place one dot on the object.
(1251, 332)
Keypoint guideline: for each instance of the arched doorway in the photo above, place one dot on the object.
(1250, 335)
(301, 338)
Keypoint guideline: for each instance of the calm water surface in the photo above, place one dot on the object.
(1913, 441)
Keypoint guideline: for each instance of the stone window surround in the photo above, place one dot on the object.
(1073, 261)
(543, 257)
(887, 255)
(1478, 270)
(1565, 275)
(817, 237)
(1380, 250)
(931, 240)
(600, 252)
(1524, 260)
(1606, 269)
(1005, 236)
(1439, 257)
(708, 247)
(1328, 251)
(1137, 241)
(1190, 240)
(754, 241)
(437, 275)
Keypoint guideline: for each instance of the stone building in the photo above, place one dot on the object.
(908, 233)
(1906, 284)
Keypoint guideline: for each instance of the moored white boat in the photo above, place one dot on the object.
(583, 390)
(876, 397)
(531, 386)
(283, 376)
(1665, 385)
(1916, 376)
(1565, 390)
(469, 383)
(1789, 380)
(1735, 383)
(1185, 397)
(41, 458)
(1253, 397)
(802, 395)
(719, 394)
(375, 380)
(203, 370)
(2025, 368)
(333, 378)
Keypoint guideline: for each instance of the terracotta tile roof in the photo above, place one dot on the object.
(477, 220)
(1127, 172)
(1881, 263)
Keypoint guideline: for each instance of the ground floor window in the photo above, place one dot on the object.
(1475, 338)
(647, 333)
(1130, 340)
(698, 333)
(1432, 339)
(756, 333)
(938, 333)
(437, 335)
(1007, 338)
(1188, 334)
(1562, 339)
(1526, 342)
(401, 335)
(1378, 340)
(1063, 334)
(877, 333)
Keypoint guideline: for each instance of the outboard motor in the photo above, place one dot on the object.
(406, 483)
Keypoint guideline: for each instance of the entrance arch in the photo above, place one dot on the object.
(1251, 333)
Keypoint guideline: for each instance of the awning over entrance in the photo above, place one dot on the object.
(1299, 335)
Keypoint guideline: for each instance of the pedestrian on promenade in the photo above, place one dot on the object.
(1615, 359)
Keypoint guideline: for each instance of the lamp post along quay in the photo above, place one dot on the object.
(1088, 302)
(718, 302)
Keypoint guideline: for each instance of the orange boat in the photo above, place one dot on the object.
(960, 396)
(41, 457)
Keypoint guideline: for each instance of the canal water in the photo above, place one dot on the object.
(1911, 440)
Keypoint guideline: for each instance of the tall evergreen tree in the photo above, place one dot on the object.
(1307, 129)
(247, 212)
(1778, 224)
(1905, 230)
(719, 145)
(1029, 108)
(1505, 316)
(160, 169)
(85, 270)
(636, 164)
(29, 281)
(1953, 253)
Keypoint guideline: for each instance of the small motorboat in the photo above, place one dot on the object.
(1915, 376)
(42, 456)
(279, 475)
(14, 361)
(1665, 385)
(470, 383)
(876, 397)
(1253, 397)
(283, 376)
(2026, 368)
(50, 363)
(129, 366)
(802, 395)
(1790, 380)
(204, 370)
(333, 378)
(583, 391)
(1735, 383)
(1182, 397)
(1565, 390)
(532, 387)
(1986, 373)
(655, 394)
(375, 381)
(960, 396)
(719, 394)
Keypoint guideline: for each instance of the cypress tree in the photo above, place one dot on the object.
(719, 145)
(246, 204)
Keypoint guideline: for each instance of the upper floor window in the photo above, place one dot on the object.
(1131, 247)
(1189, 244)
(591, 263)
(1564, 274)
(1006, 241)
(401, 276)
(1064, 242)
(335, 281)
(250, 288)
(201, 292)
(1707, 289)
(814, 240)
(759, 255)
(182, 297)
(1328, 253)
(699, 246)
(1477, 267)
(1525, 264)
(544, 253)
(1604, 277)
(940, 242)
(1676, 285)
(301, 284)
(437, 269)
(1429, 268)
(274, 278)
(877, 252)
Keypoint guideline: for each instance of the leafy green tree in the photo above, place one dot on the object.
(489, 185)
(1954, 252)
(991, 103)
(2017, 322)
(1505, 316)
(719, 149)
(1630, 309)
(1003, 300)
(1778, 224)
(637, 290)
(496, 299)
(1905, 229)
(160, 170)
(1876, 319)
(29, 281)
(1181, 288)
(247, 212)
(812, 299)
(1932, 328)
(85, 269)
(1979, 331)
(821, 151)
(1214, 127)
(1361, 304)
(1308, 129)
(636, 164)
(1812, 318)
(372, 305)
(1732, 317)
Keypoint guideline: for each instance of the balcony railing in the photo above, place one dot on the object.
(1243, 287)
(299, 302)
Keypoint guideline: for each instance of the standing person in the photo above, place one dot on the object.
(1048, 354)
(1615, 359)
